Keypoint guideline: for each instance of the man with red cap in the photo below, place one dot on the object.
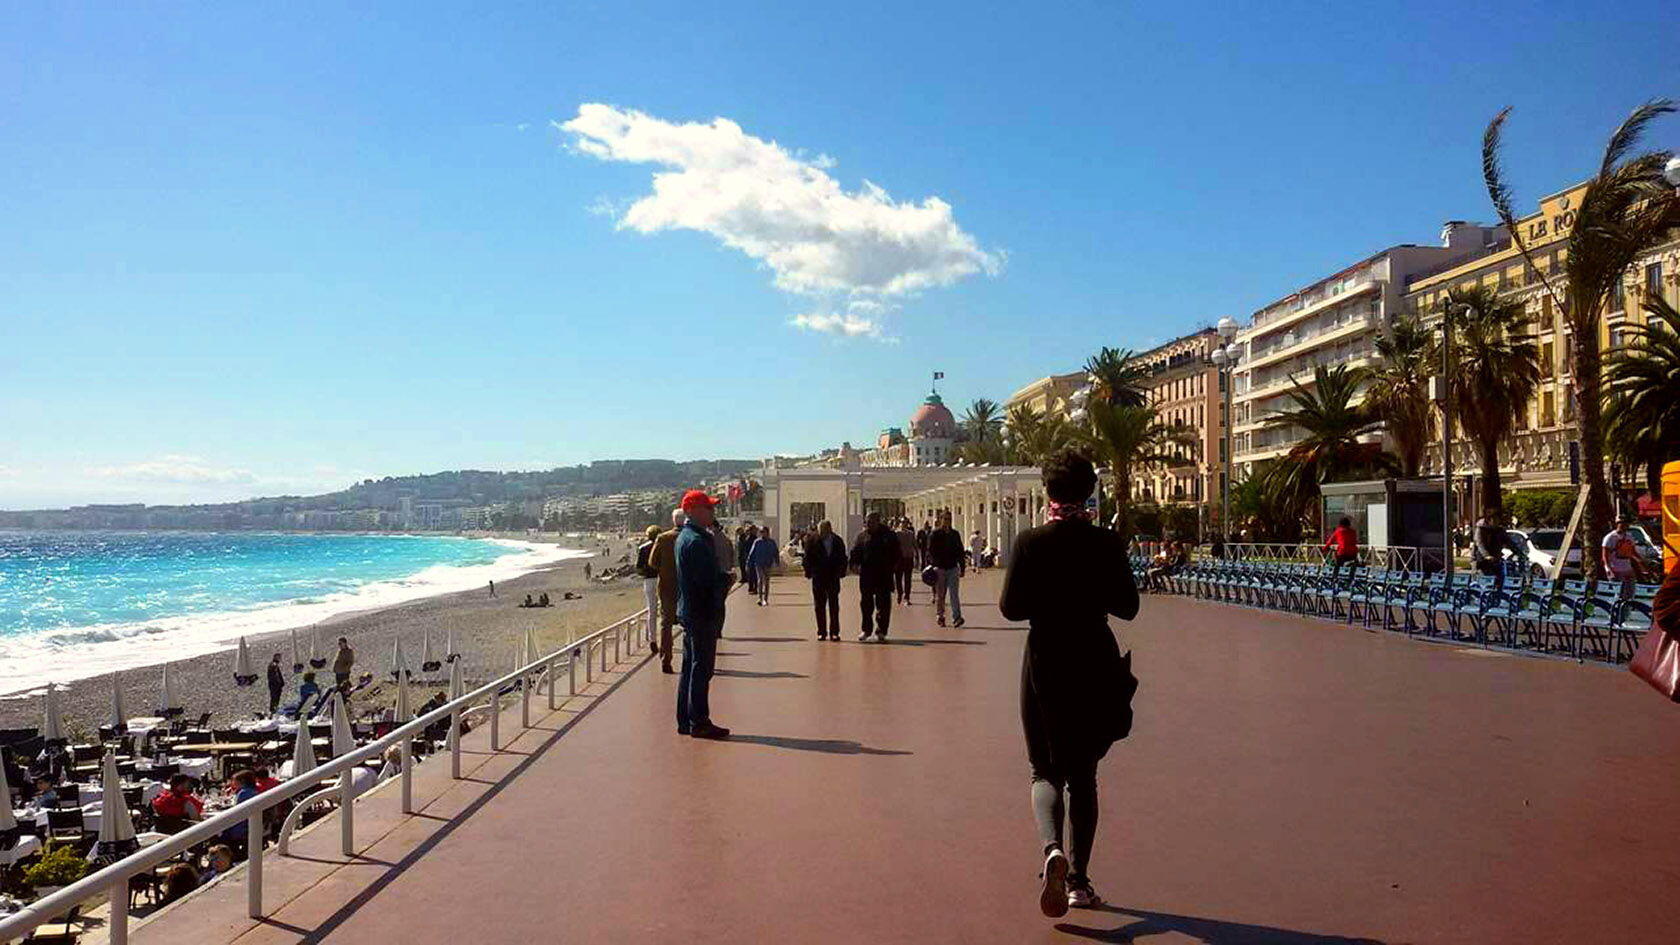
(702, 583)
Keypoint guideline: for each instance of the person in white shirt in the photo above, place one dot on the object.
(976, 548)
(1621, 556)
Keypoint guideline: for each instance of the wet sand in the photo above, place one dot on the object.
(488, 631)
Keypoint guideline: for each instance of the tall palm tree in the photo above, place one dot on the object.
(1399, 390)
(983, 423)
(1626, 208)
(1495, 376)
(1124, 439)
(1642, 383)
(1119, 378)
(1033, 436)
(1331, 422)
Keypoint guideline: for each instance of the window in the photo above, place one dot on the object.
(1653, 278)
(1618, 297)
(1546, 359)
(1548, 409)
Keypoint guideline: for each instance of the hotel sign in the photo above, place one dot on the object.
(1554, 221)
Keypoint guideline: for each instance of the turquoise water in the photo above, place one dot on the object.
(77, 603)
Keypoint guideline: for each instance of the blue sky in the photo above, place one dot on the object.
(260, 251)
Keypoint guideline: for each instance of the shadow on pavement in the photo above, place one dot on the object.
(771, 639)
(925, 641)
(1209, 931)
(756, 674)
(829, 746)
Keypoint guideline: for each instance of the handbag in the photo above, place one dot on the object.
(1124, 690)
(930, 576)
(1657, 661)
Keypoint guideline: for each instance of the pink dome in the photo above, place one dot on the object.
(933, 419)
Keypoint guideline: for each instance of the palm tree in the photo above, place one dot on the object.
(1118, 377)
(1126, 438)
(1626, 208)
(1399, 390)
(1642, 381)
(1033, 436)
(1495, 376)
(1329, 448)
(983, 422)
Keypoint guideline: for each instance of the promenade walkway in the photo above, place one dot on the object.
(1288, 781)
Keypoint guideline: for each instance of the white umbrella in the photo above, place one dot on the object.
(119, 711)
(343, 739)
(428, 662)
(457, 686)
(52, 728)
(242, 671)
(449, 652)
(303, 752)
(116, 825)
(399, 660)
(170, 699)
(7, 820)
(297, 655)
(402, 698)
(531, 650)
(315, 647)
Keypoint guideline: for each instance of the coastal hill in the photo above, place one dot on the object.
(601, 493)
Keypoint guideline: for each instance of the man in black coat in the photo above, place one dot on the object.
(875, 554)
(825, 565)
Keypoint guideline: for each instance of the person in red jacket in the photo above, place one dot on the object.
(1346, 545)
(178, 805)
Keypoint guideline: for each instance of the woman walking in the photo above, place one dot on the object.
(1066, 577)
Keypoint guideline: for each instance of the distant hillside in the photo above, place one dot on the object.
(481, 487)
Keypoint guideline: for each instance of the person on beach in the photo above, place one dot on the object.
(825, 566)
(945, 556)
(650, 580)
(1346, 544)
(492, 588)
(663, 559)
(276, 684)
(178, 806)
(763, 556)
(1065, 578)
(875, 554)
(307, 690)
(702, 582)
(906, 561)
(343, 663)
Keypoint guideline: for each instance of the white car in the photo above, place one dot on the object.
(1543, 545)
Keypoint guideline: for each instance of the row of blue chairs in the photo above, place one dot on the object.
(1577, 617)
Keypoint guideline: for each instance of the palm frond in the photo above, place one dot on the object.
(1627, 135)
(1493, 174)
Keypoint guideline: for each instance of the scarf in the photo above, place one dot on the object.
(1066, 511)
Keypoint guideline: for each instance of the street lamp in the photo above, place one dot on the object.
(1225, 358)
(1443, 395)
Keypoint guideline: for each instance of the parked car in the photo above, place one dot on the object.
(1544, 545)
(1650, 552)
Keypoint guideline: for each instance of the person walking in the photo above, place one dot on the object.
(922, 544)
(875, 554)
(1621, 556)
(1065, 578)
(276, 684)
(761, 557)
(976, 549)
(825, 566)
(662, 558)
(906, 560)
(492, 588)
(1488, 541)
(650, 582)
(744, 538)
(945, 555)
(343, 663)
(702, 582)
(1346, 544)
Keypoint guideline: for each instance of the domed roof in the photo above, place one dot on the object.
(933, 419)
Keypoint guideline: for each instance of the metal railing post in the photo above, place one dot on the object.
(603, 650)
(406, 757)
(495, 721)
(254, 865)
(525, 701)
(589, 662)
(118, 924)
(571, 674)
(455, 744)
(552, 686)
(346, 814)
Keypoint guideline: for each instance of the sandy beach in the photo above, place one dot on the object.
(488, 631)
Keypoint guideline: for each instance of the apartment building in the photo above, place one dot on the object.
(1184, 387)
(1334, 320)
(1047, 396)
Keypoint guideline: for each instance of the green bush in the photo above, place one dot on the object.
(59, 865)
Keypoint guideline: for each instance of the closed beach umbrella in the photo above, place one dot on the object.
(297, 655)
(531, 650)
(303, 752)
(116, 824)
(119, 711)
(52, 726)
(428, 662)
(243, 674)
(170, 699)
(399, 659)
(8, 821)
(457, 685)
(316, 660)
(402, 698)
(343, 737)
(449, 652)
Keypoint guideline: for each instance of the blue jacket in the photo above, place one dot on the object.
(763, 554)
(700, 584)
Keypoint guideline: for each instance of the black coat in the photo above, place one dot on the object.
(825, 557)
(1066, 578)
(945, 548)
(876, 554)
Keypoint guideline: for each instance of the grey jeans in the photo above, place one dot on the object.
(950, 580)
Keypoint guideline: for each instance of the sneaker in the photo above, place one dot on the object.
(1053, 897)
(708, 730)
(957, 623)
(682, 730)
(880, 638)
(863, 637)
(942, 620)
(1082, 896)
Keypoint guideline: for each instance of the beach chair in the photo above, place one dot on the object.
(1561, 614)
(65, 825)
(69, 796)
(1631, 625)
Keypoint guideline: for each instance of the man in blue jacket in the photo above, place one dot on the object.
(701, 586)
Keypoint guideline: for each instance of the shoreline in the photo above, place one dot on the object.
(487, 632)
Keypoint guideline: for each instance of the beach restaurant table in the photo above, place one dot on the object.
(191, 767)
(22, 850)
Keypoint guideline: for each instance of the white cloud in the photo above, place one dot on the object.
(835, 323)
(176, 469)
(782, 208)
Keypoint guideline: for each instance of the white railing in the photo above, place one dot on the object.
(623, 637)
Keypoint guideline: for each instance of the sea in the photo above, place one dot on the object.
(80, 604)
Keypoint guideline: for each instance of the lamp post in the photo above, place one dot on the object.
(1225, 359)
(1443, 395)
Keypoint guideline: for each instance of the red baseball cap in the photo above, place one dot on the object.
(695, 498)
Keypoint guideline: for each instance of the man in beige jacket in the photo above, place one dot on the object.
(663, 559)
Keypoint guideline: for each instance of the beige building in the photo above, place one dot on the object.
(1184, 388)
(1047, 396)
(1335, 320)
(1539, 455)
